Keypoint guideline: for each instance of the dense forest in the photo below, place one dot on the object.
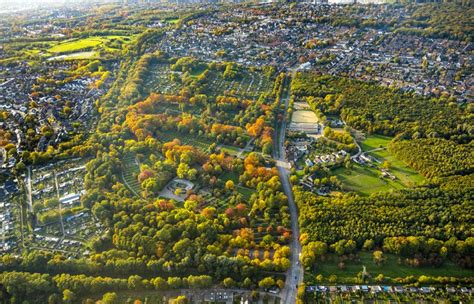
(380, 110)
(425, 225)
(435, 157)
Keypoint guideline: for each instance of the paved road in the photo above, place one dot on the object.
(61, 221)
(359, 150)
(28, 187)
(294, 275)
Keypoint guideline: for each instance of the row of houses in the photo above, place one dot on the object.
(385, 288)
(7, 220)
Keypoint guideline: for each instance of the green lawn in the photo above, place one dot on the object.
(364, 180)
(246, 192)
(85, 43)
(171, 21)
(374, 142)
(198, 71)
(230, 149)
(78, 55)
(391, 269)
(76, 45)
(230, 176)
(407, 176)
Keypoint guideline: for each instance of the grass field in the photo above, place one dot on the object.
(171, 21)
(81, 44)
(230, 149)
(406, 175)
(365, 180)
(131, 169)
(230, 176)
(391, 269)
(375, 142)
(246, 192)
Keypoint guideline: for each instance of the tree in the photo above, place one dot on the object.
(182, 170)
(379, 278)
(229, 185)
(68, 296)
(180, 300)
(266, 283)
(319, 278)
(135, 282)
(54, 299)
(229, 282)
(379, 258)
(311, 252)
(110, 298)
(368, 244)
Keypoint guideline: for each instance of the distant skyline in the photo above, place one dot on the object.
(40, 2)
(16, 5)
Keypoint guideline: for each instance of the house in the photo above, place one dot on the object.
(376, 289)
(398, 289)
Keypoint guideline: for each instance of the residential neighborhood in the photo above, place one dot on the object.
(262, 35)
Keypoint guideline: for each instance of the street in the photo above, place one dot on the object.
(294, 275)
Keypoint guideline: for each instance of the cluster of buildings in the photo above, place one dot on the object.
(43, 106)
(321, 37)
(296, 149)
(250, 35)
(375, 289)
(331, 158)
(300, 149)
(7, 220)
(415, 63)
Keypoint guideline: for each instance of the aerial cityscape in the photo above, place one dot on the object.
(236, 151)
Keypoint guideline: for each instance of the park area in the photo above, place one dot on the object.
(366, 178)
(74, 45)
